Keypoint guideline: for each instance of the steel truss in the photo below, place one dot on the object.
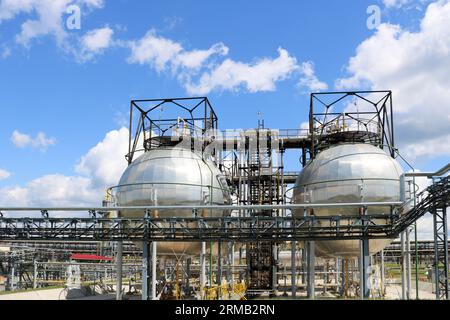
(239, 229)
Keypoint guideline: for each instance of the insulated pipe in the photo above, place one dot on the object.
(438, 173)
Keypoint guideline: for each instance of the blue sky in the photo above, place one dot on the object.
(75, 94)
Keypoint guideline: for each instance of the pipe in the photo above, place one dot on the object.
(213, 207)
(153, 279)
(293, 269)
(119, 270)
(438, 173)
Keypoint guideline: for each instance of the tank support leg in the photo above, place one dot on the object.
(364, 269)
(293, 268)
(311, 269)
(119, 257)
(146, 272)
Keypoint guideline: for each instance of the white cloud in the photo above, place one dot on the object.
(161, 53)
(5, 52)
(98, 39)
(201, 71)
(414, 65)
(4, 174)
(309, 78)
(231, 75)
(196, 58)
(105, 162)
(95, 42)
(47, 17)
(99, 169)
(395, 3)
(41, 141)
(154, 50)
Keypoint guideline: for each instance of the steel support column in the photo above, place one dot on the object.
(311, 269)
(364, 269)
(293, 268)
(146, 272)
(119, 260)
(441, 252)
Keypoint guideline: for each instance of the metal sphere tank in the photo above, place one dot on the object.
(173, 176)
(349, 173)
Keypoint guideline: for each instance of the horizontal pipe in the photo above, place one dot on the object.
(438, 173)
(212, 207)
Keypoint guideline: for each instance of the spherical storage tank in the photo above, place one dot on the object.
(173, 176)
(349, 173)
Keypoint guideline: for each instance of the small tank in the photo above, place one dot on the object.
(173, 176)
(349, 173)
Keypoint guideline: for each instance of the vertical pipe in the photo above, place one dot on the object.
(219, 268)
(145, 270)
(383, 280)
(275, 269)
(364, 269)
(293, 268)
(436, 256)
(202, 270)
(210, 264)
(119, 257)
(13, 280)
(34, 274)
(153, 278)
(416, 249)
(403, 249)
(408, 264)
(232, 267)
(336, 273)
(311, 272)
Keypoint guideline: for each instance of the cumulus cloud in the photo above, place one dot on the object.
(95, 42)
(414, 65)
(40, 142)
(231, 75)
(105, 162)
(4, 174)
(201, 71)
(47, 17)
(100, 168)
(309, 78)
(161, 53)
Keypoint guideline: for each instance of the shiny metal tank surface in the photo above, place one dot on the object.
(349, 173)
(173, 176)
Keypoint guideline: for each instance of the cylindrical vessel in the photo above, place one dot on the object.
(173, 176)
(349, 173)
